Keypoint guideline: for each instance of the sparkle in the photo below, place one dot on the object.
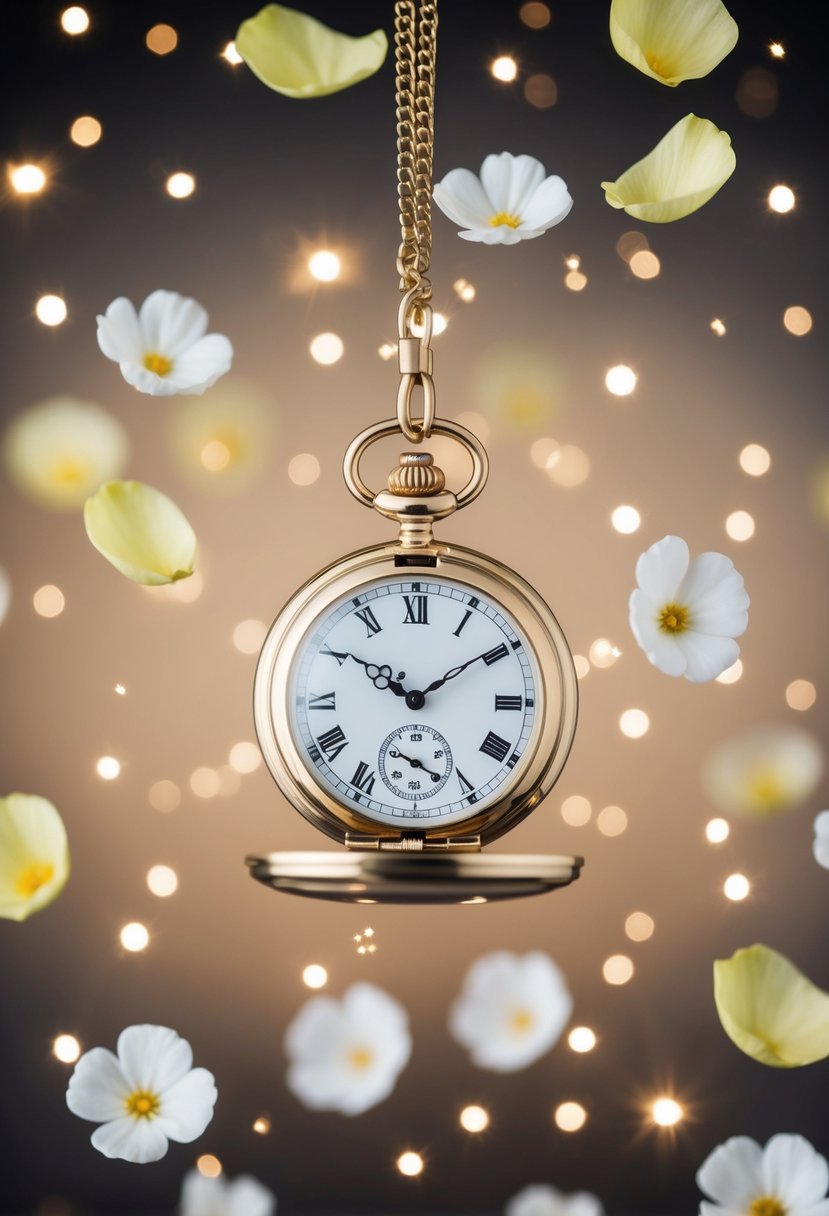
(33, 877)
(142, 1104)
(464, 290)
(572, 262)
(410, 1164)
(603, 653)
(120, 689)
(108, 768)
(777, 51)
(666, 1112)
(504, 68)
(26, 179)
(718, 327)
(673, 618)
(387, 351)
(51, 310)
(570, 1116)
(324, 266)
(474, 1119)
(262, 1125)
(160, 364)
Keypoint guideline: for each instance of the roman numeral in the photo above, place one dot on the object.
(314, 753)
(417, 609)
(332, 742)
(363, 779)
(326, 700)
(493, 745)
(466, 617)
(370, 621)
(492, 656)
(335, 654)
(508, 702)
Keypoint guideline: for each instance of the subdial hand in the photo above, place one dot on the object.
(398, 755)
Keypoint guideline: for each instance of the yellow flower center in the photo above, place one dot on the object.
(766, 788)
(159, 364)
(360, 1058)
(665, 70)
(33, 878)
(520, 1021)
(673, 618)
(67, 471)
(504, 217)
(141, 1104)
(767, 1205)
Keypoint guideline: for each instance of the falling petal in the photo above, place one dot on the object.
(34, 855)
(672, 40)
(141, 532)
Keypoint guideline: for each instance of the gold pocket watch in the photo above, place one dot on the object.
(416, 699)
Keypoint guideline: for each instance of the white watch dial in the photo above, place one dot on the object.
(414, 701)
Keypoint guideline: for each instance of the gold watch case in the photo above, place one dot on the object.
(429, 864)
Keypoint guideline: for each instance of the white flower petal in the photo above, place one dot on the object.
(763, 771)
(119, 333)
(661, 569)
(661, 649)
(500, 235)
(511, 181)
(98, 1089)
(170, 323)
(794, 1172)
(221, 1196)
(153, 1057)
(246, 1196)
(733, 1173)
(187, 1106)
(202, 365)
(706, 656)
(717, 594)
(550, 204)
(146, 381)
(129, 1139)
(141, 532)
(462, 198)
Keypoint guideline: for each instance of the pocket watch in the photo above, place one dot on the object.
(415, 700)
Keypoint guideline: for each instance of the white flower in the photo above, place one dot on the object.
(512, 1009)
(821, 844)
(347, 1055)
(146, 1095)
(60, 450)
(511, 201)
(786, 1178)
(163, 349)
(244, 1196)
(547, 1201)
(763, 771)
(686, 614)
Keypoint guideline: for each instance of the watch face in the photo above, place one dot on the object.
(413, 702)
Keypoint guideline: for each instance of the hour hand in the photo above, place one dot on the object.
(381, 676)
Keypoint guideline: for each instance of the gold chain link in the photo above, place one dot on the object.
(415, 33)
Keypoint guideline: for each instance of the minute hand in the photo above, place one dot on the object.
(455, 671)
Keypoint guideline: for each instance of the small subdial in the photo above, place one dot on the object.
(415, 762)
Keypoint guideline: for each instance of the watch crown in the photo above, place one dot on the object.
(416, 475)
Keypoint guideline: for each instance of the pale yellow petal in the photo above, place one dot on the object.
(685, 169)
(770, 1009)
(34, 855)
(222, 441)
(141, 532)
(672, 40)
(300, 57)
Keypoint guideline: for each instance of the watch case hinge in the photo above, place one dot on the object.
(414, 843)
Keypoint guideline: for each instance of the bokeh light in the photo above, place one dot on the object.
(135, 937)
(758, 93)
(245, 757)
(164, 796)
(108, 768)
(797, 320)
(625, 519)
(731, 674)
(161, 39)
(781, 199)
(544, 452)
(314, 976)
(208, 1165)
(162, 881)
(504, 68)
(603, 653)
(755, 460)
(736, 887)
(576, 810)
(574, 280)
(74, 20)
(582, 666)
(740, 525)
(570, 1116)
(630, 243)
(120, 690)
(618, 969)
(231, 55)
(51, 310)
(644, 264)
(569, 467)
(801, 695)
(261, 1125)
(66, 1048)
(620, 380)
(535, 15)
(85, 131)
(324, 266)
(464, 290)
(666, 1112)
(717, 831)
(718, 327)
(474, 1119)
(639, 926)
(410, 1164)
(249, 635)
(611, 821)
(26, 179)
(634, 723)
(777, 50)
(205, 782)
(304, 469)
(49, 601)
(180, 185)
(581, 1039)
(326, 349)
(541, 91)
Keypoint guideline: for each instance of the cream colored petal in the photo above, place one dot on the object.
(222, 441)
(770, 1009)
(672, 40)
(60, 450)
(685, 169)
(763, 771)
(300, 57)
(141, 532)
(34, 855)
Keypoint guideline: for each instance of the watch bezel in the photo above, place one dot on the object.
(546, 751)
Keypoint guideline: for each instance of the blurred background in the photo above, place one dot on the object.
(160, 681)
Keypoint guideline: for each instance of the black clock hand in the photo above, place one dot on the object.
(414, 763)
(381, 676)
(453, 672)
